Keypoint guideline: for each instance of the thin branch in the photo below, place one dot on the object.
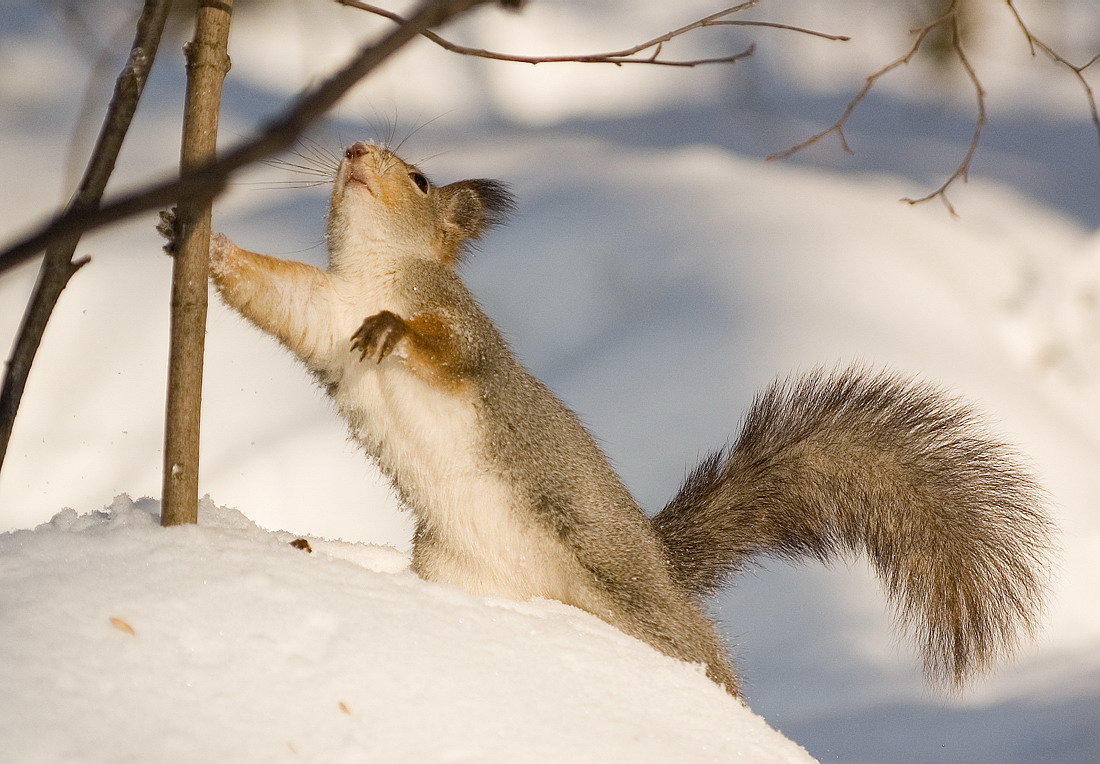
(788, 27)
(1078, 71)
(619, 57)
(58, 265)
(838, 126)
(962, 170)
(210, 179)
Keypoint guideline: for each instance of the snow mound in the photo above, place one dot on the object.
(222, 642)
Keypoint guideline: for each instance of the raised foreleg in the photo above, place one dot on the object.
(292, 301)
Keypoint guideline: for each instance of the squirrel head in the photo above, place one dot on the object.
(382, 203)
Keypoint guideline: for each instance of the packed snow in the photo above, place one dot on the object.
(225, 643)
(657, 274)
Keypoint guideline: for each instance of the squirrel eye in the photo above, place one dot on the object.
(420, 181)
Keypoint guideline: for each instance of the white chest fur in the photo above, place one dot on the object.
(428, 439)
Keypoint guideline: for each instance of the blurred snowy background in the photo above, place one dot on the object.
(658, 274)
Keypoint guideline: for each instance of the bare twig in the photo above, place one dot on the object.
(58, 266)
(207, 181)
(629, 55)
(838, 126)
(788, 27)
(1078, 71)
(207, 65)
(950, 18)
(963, 169)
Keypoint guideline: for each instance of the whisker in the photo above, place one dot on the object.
(379, 128)
(393, 132)
(320, 149)
(391, 129)
(312, 162)
(420, 162)
(298, 168)
(298, 182)
(282, 184)
(315, 245)
(309, 159)
(318, 154)
(418, 127)
(314, 155)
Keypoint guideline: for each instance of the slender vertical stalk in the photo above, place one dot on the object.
(207, 65)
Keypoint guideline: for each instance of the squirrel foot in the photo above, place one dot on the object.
(378, 335)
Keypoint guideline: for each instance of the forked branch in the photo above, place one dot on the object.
(950, 19)
(1078, 71)
(838, 126)
(962, 171)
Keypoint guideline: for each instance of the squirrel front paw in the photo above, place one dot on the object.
(221, 248)
(223, 254)
(378, 335)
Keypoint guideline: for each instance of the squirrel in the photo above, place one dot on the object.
(513, 497)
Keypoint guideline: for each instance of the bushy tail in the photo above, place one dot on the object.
(852, 461)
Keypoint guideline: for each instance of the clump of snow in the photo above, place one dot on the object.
(125, 641)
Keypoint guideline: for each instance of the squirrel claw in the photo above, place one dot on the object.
(378, 335)
(168, 227)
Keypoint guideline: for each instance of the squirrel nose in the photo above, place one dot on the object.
(356, 150)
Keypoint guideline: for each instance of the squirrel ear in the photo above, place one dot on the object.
(475, 206)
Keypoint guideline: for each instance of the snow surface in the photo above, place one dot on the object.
(653, 248)
(127, 642)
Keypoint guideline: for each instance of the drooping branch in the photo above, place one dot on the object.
(58, 265)
(208, 180)
(631, 55)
